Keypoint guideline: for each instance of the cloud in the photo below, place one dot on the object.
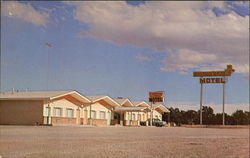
(229, 108)
(142, 57)
(185, 59)
(24, 12)
(186, 27)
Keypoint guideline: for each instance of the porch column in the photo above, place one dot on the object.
(138, 121)
(130, 118)
(49, 120)
(146, 118)
(122, 115)
(90, 118)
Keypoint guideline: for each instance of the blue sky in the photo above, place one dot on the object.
(127, 49)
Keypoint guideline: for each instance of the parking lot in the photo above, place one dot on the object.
(122, 142)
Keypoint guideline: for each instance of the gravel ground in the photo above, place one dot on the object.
(122, 142)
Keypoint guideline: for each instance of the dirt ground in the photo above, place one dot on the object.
(122, 142)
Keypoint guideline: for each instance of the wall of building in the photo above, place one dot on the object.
(21, 112)
(134, 119)
(98, 108)
(156, 114)
(64, 104)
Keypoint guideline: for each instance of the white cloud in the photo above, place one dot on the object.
(185, 59)
(229, 108)
(25, 12)
(142, 57)
(181, 26)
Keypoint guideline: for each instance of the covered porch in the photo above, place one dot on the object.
(131, 116)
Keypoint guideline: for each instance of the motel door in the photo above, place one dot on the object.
(85, 121)
(78, 121)
(109, 117)
(139, 117)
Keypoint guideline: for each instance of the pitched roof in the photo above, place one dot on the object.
(95, 98)
(132, 108)
(41, 95)
(120, 100)
(162, 107)
(123, 101)
(32, 94)
(138, 102)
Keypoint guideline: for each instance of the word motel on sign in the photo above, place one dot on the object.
(213, 80)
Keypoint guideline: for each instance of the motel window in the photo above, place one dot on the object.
(156, 116)
(133, 116)
(139, 117)
(128, 115)
(102, 115)
(47, 111)
(116, 115)
(70, 112)
(57, 111)
(93, 114)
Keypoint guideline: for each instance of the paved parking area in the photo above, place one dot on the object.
(122, 142)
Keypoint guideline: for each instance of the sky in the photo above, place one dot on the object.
(126, 49)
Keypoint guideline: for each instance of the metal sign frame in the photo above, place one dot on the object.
(156, 96)
(227, 72)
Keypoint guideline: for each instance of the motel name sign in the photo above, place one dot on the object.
(227, 72)
(157, 96)
(212, 79)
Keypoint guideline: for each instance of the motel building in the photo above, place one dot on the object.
(73, 108)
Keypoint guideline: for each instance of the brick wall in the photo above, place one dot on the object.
(99, 122)
(114, 122)
(63, 120)
(134, 123)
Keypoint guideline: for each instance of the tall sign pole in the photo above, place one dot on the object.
(227, 72)
(201, 103)
(223, 103)
(154, 97)
(151, 114)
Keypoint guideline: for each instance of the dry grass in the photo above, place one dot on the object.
(122, 142)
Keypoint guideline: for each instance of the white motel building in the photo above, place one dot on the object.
(73, 108)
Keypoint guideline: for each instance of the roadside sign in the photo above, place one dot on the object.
(213, 80)
(227, 72)
(156, 96)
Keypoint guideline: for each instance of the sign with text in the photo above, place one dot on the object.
(157, 96)
(227, 72)
(213, 80)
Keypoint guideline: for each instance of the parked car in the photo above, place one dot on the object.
(143, 123)
(157, 122)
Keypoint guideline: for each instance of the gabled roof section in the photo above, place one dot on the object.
(140, 103)
(95, 98)
(42, 95)
(132, 109)
(108, 99)
(160, 107)
(124, 101)
(32, 94)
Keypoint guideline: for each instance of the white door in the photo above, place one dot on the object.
(109, 118)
